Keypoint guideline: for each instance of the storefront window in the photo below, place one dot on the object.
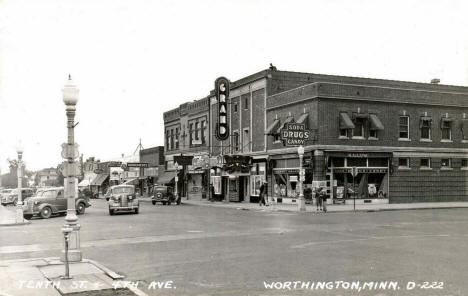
(357, 162)
(279, 187)
(378, 162)
(256, 182)
(338, 162)
(216, 181)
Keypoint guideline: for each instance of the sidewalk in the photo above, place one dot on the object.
(8, 217)
(331, 208)
(42, 276)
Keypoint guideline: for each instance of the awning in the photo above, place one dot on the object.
(425, 118)
(464, 125)
(270, 130)
(361, 115)
(376, 124)
(345, 121)
(134, 181)
(100, 178)
(288, 120)
(84, 183)
(303, 118)
(166, 178)
(445, 119)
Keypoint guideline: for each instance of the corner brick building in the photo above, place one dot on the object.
(408, 141)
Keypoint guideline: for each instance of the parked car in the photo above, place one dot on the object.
(52, 201)
(4, 191)
(12, 196)
(164, 194)
(122, 198)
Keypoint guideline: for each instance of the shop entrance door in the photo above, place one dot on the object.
(241, 188)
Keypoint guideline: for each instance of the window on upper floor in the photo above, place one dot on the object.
(345, 125)
(202, 131)
(197, 131)
(403, 162)
(425, 126)
(177, 138)
(464, 129)
(168, 141)
(235, 107)
(235, 138)
(172, 139)
(403, 127)
(246, 103)
(425, 163)
(446, 127)
(445, 163)
(359, 124)
(190, 134)
(464, 163)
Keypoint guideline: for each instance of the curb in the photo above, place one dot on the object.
(15, 224)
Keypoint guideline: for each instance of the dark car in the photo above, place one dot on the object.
(52, 201)
(164, 194)
(12, 196)
(122, 198)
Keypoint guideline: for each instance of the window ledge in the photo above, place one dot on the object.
(446, 169)
(404, 140)
(400, 168)
(372, 139)
(446, 141)
(464, 168)
(425, 140)
(358, 138)
(464, 141)
(425, 169)
(346, 138)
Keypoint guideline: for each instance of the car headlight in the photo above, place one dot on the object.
(36, 202)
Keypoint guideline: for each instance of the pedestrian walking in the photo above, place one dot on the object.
(262, 195)
(265, 193)
(318, 198)
(212, 192)
(323, 197)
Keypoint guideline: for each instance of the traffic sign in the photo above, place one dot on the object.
(302, 178)
(70, 151)
(354, 171)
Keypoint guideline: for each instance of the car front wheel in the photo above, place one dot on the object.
(46, 212)
(111, 212)
(80, 208)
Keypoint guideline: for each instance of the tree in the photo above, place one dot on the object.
(10, 180)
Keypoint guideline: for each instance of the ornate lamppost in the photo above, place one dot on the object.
(19, 203)
(71, 229)
(301, 204)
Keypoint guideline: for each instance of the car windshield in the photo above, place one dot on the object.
(160, 189)
(121, 190)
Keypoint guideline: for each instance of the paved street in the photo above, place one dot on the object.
(221, 251)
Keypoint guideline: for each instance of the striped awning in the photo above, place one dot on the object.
(303, 118)
(100, 178)
(375, 123)
(272, 128)
(288, 120)
(166, 178)
(345, 121)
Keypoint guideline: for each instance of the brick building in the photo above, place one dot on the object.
(186, 134)
(408, 141)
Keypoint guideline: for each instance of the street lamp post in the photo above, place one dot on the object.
(19, 203)
(301, 204)
(70, 169)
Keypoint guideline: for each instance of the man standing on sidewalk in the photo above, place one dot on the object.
(262, 195)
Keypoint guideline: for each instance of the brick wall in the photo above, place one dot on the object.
(388, 114)
(258, 120)
(436, 185)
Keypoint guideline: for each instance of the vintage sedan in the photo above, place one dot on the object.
(164, 194)
(52, 201)
(122, 198)
(12, 196)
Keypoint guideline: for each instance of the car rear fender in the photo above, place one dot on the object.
(43, 205)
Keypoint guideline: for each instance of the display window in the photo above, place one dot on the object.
(256, 183)
(286, 185)
(216, 181)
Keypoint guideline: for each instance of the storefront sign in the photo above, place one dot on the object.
(183, 159)
(202, 161)
(361, 170)
(115, 173)
(151, 172)
(295, 134)
(237, 162)
(357, 155)
(137, 165)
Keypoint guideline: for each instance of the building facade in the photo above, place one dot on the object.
(186, 131)
(404, 141)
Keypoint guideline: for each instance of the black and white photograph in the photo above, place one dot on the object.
(236, 148)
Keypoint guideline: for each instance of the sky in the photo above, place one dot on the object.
(134, 59)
